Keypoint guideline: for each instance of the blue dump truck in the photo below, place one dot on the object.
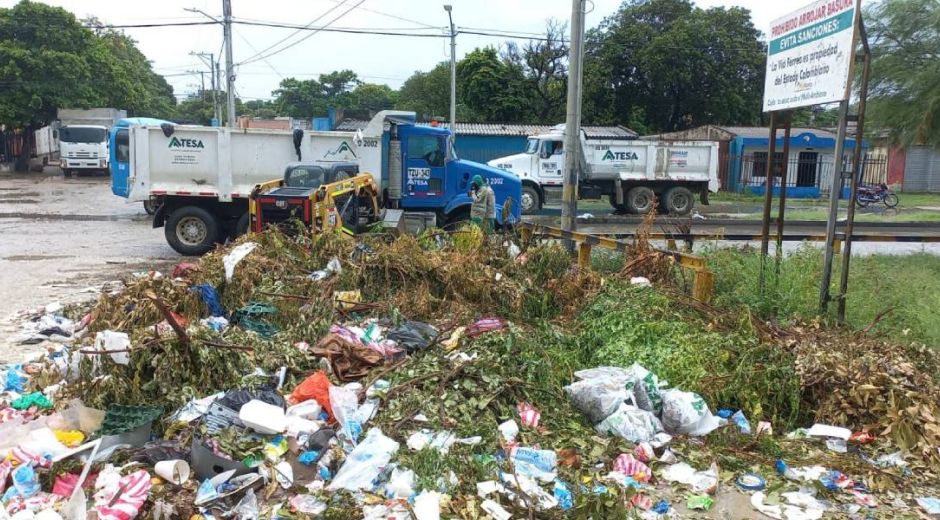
(198, 179)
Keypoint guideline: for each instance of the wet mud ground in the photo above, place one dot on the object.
(61, 239)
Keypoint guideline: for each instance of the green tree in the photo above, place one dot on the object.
(490, 88)
(428, 93)
(675, 65)
(543, 65)
(904, 93)
(372, 97)
(311, 98)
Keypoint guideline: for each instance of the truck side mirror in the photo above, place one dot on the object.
(298, 139)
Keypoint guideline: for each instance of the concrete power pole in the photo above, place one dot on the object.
(453, 71)
(569, 206)
(217, 81)
(229, 66)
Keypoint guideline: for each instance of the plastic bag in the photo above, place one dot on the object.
(247, 508)
(110, 340)
(235, 399)
(646, 387)
(15, 380)
(123, 501)
(307, 504)
(401, 484)
(25, 481)
(316, 387)
(597, 398)
(235, 256)
(345, 406)
(699, 481)
(686, 412)
(538, 464)
(631, 423)
(413, 335)
(364, 464)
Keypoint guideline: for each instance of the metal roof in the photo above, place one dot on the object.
(508, 129)
(763, 131)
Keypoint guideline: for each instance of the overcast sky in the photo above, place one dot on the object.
(378, 59)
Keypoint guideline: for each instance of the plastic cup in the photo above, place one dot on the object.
(175, 471)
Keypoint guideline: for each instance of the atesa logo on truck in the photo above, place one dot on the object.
(619, 156)
(185, 143)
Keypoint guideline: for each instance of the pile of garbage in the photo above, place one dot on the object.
(416, 378)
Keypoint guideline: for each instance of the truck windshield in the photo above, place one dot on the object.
(532, 146)
(82, 135)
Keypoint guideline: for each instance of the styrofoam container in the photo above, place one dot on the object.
(262, 417)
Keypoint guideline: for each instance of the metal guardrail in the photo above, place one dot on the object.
(703, 279)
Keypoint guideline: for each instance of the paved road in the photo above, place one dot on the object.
(62, 238)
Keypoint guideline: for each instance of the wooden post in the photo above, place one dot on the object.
(703, 286)
(584, 255)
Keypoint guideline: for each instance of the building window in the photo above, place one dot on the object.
(759, 161)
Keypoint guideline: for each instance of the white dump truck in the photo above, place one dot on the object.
(83, 138)
(634, 175)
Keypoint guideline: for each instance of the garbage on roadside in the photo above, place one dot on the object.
(248, 388)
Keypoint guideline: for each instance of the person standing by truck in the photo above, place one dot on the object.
(483, 207)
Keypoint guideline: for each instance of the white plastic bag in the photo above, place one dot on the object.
(365, 462)
(235, 256)
(345, 405)
(401, 484)
(699, 481)
(110, 340)
(631, 423)
(597, 398)
(686, 412)
(647, 388)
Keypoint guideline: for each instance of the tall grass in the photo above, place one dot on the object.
(906, 288)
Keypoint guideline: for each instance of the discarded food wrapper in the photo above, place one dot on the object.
(825, 430)
(529, 415)
(495, 510)
(538, 464)
(173, 471)
(631, 467)
(699, 481)
(861, 438)
(700, 502)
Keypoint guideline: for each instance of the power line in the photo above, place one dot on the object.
(146, 25)
(282, 49)
(395, 17)
(291, 35)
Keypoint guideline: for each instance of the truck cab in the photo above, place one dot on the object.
(540, 169)
(83, 148)
(436, 179)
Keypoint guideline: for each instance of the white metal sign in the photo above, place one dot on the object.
(809, 55)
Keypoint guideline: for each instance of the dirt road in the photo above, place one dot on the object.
(60, 239)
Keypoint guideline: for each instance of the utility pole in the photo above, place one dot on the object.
(229, 66)
(213, 79)
(453, 71)
(569, 206)
(218, 84)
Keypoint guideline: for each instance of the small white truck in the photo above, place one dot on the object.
(634, 175)
(83, 138)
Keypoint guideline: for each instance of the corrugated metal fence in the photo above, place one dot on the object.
(922, 169)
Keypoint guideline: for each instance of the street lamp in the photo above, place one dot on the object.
(453, 71)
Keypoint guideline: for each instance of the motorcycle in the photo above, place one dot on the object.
(875, 194)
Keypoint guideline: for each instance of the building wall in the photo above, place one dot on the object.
(483, 148)
(922, 170)
(897, 157)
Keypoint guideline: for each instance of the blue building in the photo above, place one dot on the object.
(482, 142)
(744, 150)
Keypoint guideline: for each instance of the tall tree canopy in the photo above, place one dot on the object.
(48, 60)
(675, 66)
(904, 93)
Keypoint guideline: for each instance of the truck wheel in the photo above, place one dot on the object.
(242, 227)
(679, 201)
(618, 208)
(640, 200)
(191, 231)
(531, 202)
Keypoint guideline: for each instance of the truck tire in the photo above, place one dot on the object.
(151, 207)
(640, 200)
(679, 201)
(618, 208)
(242, 226)
(531, 202)
(191, 230)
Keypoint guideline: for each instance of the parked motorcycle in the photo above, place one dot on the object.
(875, 194)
